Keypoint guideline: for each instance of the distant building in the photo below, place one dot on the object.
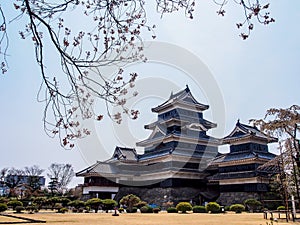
(25, 179)
(20, 183)
(180, 161)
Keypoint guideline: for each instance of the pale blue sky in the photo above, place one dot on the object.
(252, 76)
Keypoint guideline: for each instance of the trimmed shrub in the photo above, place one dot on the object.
(32, 208)
(270, 205)
(199, 209)
(3, 200)
(109, 204)
(76, 204)
(19, 209)
(140, 204)
(172, 210)
(168, 204)
(281, 207)
(184, 207)
(121, 210)
(227, 208)
(14, 203)
(53, 202)
(62, 210)
(94, 203)
(213, 207)
(3, 207)
(133, 210)
(74, 210)
(64, 201)
(156, 210)
(57, 206)
(146, 209)
(252, 204)
(80, 210)
(130, 201)
(237, 208)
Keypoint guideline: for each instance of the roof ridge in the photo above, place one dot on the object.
(248, 126)
(184, 91)
(178, 97)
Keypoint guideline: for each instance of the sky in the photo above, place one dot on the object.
(238, 79)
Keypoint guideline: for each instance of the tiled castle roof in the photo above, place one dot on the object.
(242, 131)
(184, 97)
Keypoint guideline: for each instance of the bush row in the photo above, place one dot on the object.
(213, 207)
(131, 202)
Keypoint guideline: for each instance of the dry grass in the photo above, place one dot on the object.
(149, 219)
(9, 219)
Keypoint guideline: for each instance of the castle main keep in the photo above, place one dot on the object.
(181, 161)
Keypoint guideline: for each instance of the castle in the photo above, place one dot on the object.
(181, 161)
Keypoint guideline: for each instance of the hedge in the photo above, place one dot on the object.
(238, 208)
(172, 210)
(213, 207)
(199, 209)
(3, 207)
(184, 207)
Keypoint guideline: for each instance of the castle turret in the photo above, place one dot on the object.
(237, 175)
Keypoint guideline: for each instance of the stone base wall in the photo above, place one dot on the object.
(229, 198)
(161, 195)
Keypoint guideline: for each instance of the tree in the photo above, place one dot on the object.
(53, 185)
(94, 203)
(3, 200)
(33, 177)
(109, 204)
(64, 201)
(13, 179)
(3, 207)
(21, 182)
(141, 204)
(279, 183)
(274, 195)
(283, 123)
(130, 201)
(54, 201)
(146, 209)
(33, 171)
(3, 173)
(62, 173)
(252, 204)
(113, 34)
(39, 201)
(14, 204)
(77, 204)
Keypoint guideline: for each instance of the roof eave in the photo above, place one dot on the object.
(230, 140)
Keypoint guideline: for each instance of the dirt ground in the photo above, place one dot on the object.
(148, 219)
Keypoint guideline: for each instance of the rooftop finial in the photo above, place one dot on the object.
(187, 88)
(238, 122)
(171, 94)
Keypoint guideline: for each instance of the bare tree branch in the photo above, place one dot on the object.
(4, 41)
(63, 173)
(112, 34)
